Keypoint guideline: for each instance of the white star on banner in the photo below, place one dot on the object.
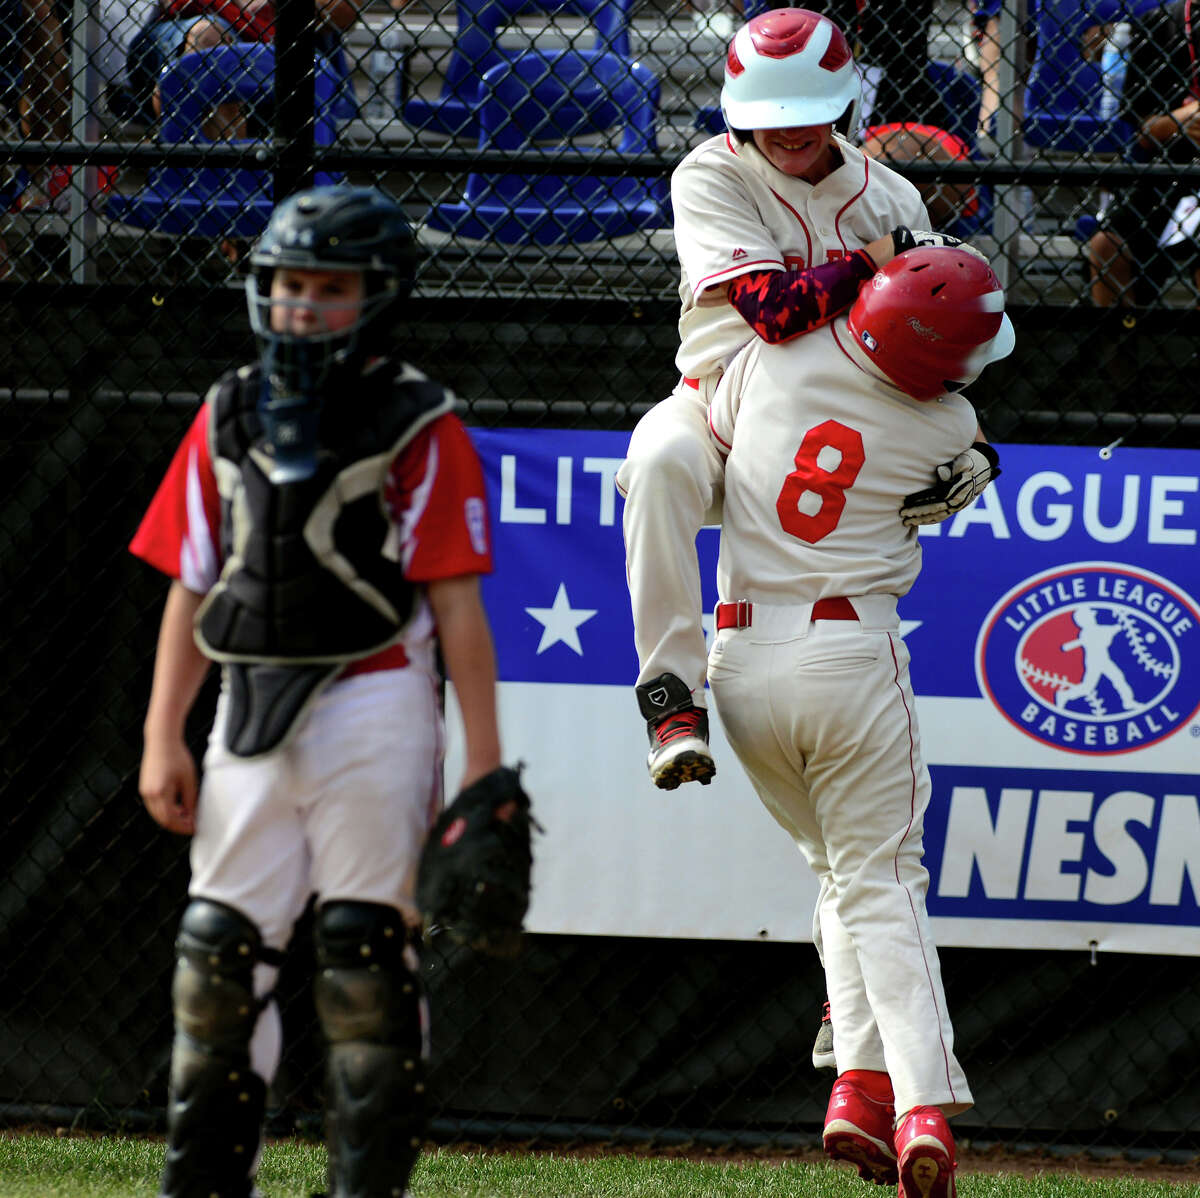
(560, 622)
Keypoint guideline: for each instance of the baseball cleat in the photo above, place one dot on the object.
(822, 1053)
(858, 1129)
(679, 750)
(678, 732)
(926, 1155)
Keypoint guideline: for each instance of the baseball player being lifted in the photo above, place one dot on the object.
(777, 222)
(323, 522)
(825, 438)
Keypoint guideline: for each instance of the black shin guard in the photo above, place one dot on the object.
(369, 1001)
(216, 1104)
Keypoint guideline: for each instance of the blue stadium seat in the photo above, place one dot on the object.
(476, 49)
(548, 100)
(960, 94)
(217, 201)
(1062, 99)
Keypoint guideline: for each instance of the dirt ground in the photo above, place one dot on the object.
(993, 1159)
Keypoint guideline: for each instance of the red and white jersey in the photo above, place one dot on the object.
(821, 453)
(435, 498)
(735, 213)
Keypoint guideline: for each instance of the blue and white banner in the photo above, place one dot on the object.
(1055, 638)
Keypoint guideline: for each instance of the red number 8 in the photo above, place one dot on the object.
(829, 485)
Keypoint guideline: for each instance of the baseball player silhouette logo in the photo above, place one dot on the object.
(1093, 658)
(1095, 641)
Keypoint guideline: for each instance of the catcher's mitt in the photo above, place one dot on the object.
(473, 877)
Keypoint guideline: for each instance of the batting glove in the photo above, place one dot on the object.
(959, 482)
(904, 238)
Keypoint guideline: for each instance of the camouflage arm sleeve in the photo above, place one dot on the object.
(781, 304)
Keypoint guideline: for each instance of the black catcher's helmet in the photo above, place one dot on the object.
(338, 228)
(325, 228)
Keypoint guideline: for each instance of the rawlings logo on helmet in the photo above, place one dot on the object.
(923, 330)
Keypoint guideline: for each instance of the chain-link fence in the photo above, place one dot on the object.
(141, 149)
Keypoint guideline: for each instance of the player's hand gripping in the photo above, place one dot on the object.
(959, 482)
(168, 783)
(904, 238)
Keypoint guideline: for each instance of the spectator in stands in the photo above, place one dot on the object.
(251, 21)
(953, 207)
(254, 20)
(227, 121)
(985, 19)
(895, 38)
(1152, 229)
(44, 103)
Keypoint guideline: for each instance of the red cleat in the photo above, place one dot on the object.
(926, 1155)
(858, 1129)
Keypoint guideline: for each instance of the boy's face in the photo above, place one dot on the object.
(307, 303)
(802, 151)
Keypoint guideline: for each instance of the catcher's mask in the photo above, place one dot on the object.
(786, 68)
(932, 319)
(326, 229)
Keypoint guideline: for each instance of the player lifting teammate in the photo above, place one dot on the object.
(324, 514)
(825, 438)
(777, 222)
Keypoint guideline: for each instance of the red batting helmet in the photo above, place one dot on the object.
(789, 67)
(932, 319)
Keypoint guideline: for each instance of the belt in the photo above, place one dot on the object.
(393, 657)
(693, 383)
(741, 613)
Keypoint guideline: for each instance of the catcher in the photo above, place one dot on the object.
(324, 526)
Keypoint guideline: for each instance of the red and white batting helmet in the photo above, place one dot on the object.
(932, 319)
(786, 68)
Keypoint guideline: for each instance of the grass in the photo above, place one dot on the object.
(46, 1166)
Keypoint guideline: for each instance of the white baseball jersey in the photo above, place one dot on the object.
(736, 213)
(805, 520)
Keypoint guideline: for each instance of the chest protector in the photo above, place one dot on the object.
(310, 581)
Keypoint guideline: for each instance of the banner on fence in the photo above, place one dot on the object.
(1055, 637)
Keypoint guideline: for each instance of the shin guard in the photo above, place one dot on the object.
(216, 1103)
(372, 1012)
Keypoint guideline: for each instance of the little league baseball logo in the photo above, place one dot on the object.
(1093, 657)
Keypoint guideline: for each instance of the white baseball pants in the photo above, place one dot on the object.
(822, 717)
(342, 810)
(673, 482)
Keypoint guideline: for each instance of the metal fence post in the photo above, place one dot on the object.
(295, 95)
(1010, 147)
(85, 127)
